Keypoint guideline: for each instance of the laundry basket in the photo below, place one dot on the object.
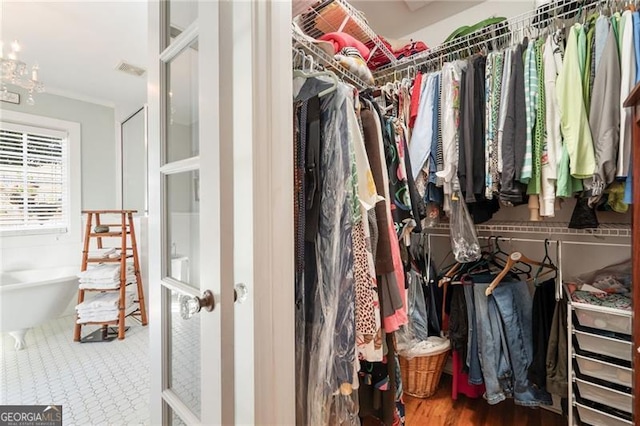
(421, 374)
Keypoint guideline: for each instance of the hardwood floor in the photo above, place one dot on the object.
(441, 410)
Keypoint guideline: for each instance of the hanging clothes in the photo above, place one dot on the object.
(471, 159)
(531, 104)
(450, 120)
(575, 124)
(420, 146)
(627, 81)
(514, 132)
(552, 148)
(604, 118)
(367, 308)
(493, 95)
(326, 322)
(628, 188)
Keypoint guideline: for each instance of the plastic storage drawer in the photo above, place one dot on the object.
(606, 319)
(604, 371)
(598, 418)
(603, 395)
(603, 345)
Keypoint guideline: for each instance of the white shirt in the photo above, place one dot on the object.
(627, 81)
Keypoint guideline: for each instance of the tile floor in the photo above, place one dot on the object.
(105, 383)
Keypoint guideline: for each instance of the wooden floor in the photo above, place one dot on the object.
(441, 410)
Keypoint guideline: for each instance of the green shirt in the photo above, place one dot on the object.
(573, 115)
(588, 74)
(539, 130)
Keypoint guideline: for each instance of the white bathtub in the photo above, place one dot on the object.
(31, 297)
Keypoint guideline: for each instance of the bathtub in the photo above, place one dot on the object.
(31, 297)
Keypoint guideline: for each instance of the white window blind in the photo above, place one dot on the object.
(34, 179)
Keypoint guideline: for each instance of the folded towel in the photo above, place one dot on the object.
(128, 277)
(103, 271)
(100, 253)
(106, 300)
(93, 286)
(106, 317)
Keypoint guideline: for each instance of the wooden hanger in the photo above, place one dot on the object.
(514, 258)
(449, 275)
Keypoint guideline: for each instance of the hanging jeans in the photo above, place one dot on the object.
(472, 360)
(496, 370)
(515, 305)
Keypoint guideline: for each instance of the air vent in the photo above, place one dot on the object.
(130, 69)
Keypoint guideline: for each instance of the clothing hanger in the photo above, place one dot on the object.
(546, 260)
(515, 257)
(505, 260)
(312, 73)
(448, 276)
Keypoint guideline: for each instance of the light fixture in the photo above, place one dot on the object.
(16, 72)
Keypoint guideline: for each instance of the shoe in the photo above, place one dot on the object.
(543, 396)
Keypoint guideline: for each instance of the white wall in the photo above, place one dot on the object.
(436, 32)
(98, 143)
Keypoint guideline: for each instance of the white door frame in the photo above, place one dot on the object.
(272, 290)
(273, 215)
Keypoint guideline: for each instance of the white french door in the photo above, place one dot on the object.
(220, 212)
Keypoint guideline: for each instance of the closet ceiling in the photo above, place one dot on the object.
(398, 18)
(78, 45)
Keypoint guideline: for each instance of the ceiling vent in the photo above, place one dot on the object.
(130, 69)
(414, 5)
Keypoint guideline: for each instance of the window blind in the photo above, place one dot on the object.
(33, 178)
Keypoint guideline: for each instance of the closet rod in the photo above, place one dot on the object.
(517, 240)
(511, 26)
(583, 243)
(539, 240)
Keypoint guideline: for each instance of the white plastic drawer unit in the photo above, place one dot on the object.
(595, 417)
(604, 371)
(603, 395)
(604, 345)
(602, 318)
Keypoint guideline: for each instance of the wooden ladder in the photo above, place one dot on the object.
(126, 228)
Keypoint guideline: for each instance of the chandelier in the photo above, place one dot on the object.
(16, 72)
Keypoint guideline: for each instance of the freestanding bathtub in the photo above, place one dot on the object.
(31, 297)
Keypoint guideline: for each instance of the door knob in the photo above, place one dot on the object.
(189, 306)
(240, 293)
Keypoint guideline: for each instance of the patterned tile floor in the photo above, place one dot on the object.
(96, 383)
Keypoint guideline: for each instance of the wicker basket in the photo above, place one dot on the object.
(421, 375)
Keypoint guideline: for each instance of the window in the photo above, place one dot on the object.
(34, 179)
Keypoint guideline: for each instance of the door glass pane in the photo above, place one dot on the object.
(182, 102)
(183, 223)
(134, 163)
(175, 420)
(182, 13)
(184, 349)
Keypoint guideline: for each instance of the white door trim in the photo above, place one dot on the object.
(156, 336)
(273, 194)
